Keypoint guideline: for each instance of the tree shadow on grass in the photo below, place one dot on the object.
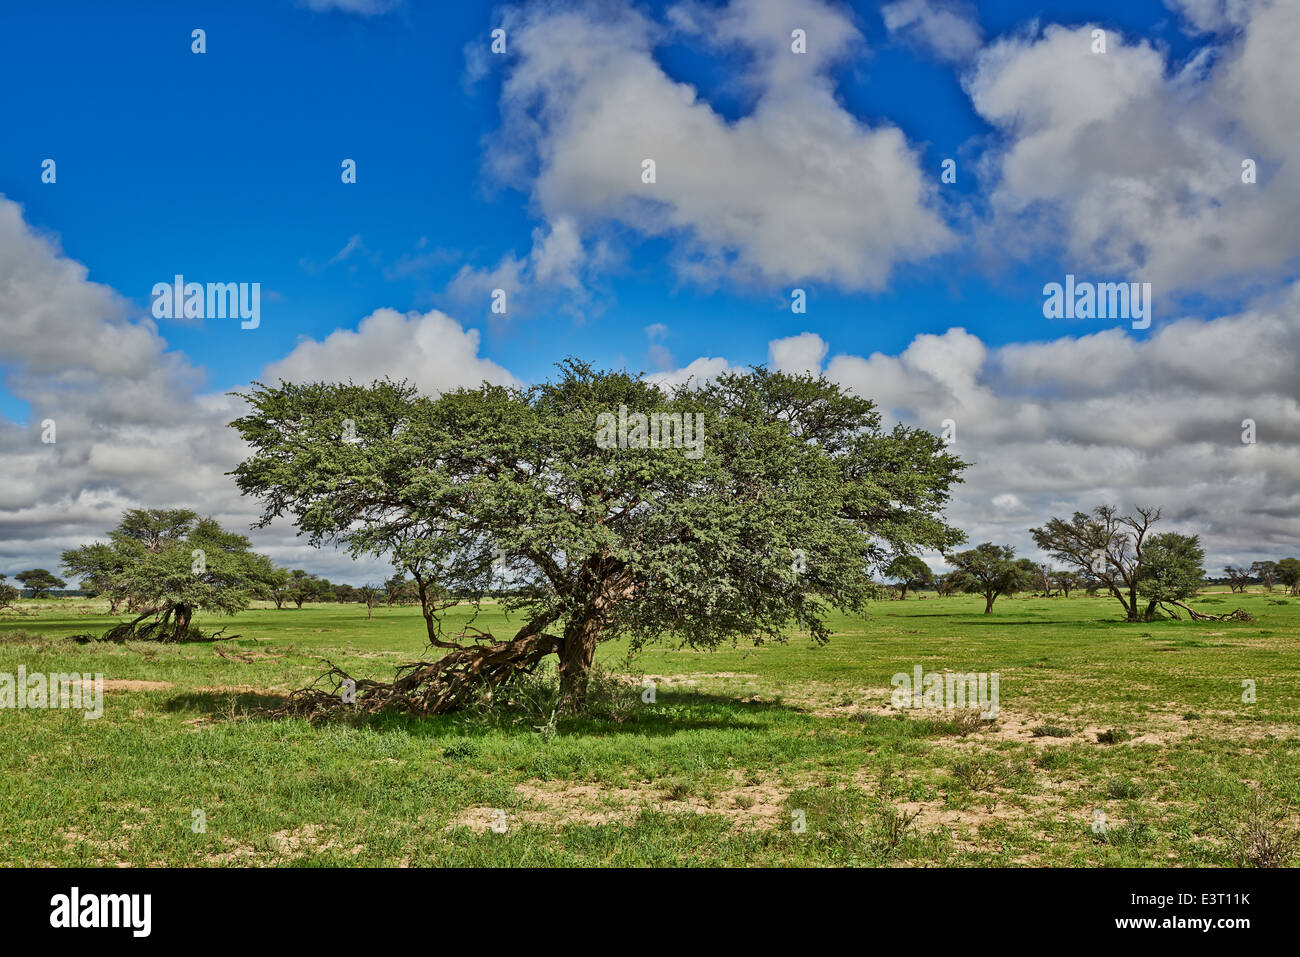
(217, 703)
(993, 621)
(673, 713)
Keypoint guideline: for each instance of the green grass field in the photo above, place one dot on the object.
(739, 746)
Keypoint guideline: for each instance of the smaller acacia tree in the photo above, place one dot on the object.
(1238, 577)
(171, 563)
(1288, 573)
(1067, 581)
(275, 586)
(992, 570)
(40, 581)
(8, 593)
(909, 572)
(302, 587)
(1105, 547)
(1266, 572)
(1171, 572)
(369, 596)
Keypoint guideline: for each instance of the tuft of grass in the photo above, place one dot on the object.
(1134, 833)
(1052, 759)
(977, 774)
(966, 721)
(1051, 731)
(1124, 789)
(1113, 736)
(679, 790)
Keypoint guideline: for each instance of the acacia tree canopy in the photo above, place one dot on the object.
(1266, 572)
(1171, 569)
(97, 566)
(496, 483)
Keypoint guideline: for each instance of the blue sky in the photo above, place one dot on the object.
(225, 166)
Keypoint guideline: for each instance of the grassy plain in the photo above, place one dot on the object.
(737, 748)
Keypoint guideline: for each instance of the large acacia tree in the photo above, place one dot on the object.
(797, 495)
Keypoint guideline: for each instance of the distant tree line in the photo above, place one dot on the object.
(1268, 574)
(163, 564)
(1103, 551)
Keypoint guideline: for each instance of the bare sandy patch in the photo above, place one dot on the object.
(132, 685)
(300, 842)
(691, 680)
(239, 689)
(557, 803)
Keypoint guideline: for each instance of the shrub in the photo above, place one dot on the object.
(1257, 829)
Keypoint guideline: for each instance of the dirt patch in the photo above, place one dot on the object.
(1011, 724)
(298, 843)
(690, 680)
(129, 685)
(556, 804)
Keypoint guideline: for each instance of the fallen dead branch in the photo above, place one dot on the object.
(1239, 614)
(465, 675)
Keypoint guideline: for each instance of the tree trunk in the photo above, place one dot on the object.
(1151, 611)
(182, 621)
(988, 603)
(576, 656)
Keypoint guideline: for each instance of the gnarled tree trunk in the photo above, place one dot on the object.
(576, 655)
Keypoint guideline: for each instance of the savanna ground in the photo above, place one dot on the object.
(713, 772)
